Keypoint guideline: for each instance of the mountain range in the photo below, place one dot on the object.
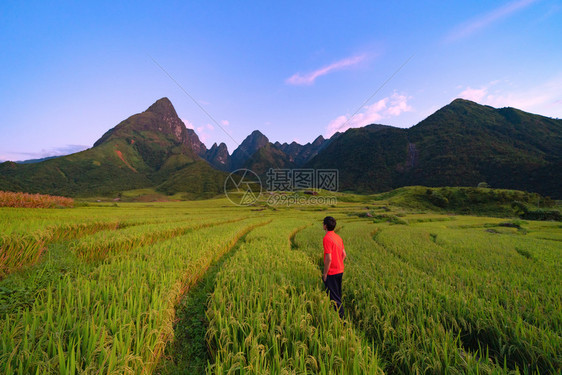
(461, 144)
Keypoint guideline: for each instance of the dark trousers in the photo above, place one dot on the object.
(333, 289)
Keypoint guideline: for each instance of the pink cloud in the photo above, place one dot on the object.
(188, 124)
(386, 108)
(541, 98)
(201, 133)
(476, 95)
(204, 132)
(476, 24)
(309, 78)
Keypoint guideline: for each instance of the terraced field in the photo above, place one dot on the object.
(208, 287)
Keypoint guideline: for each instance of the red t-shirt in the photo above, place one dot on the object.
(333, 244)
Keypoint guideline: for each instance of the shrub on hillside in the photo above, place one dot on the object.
(542, 214)
(436, 198)
(524, 212)
(392, 219)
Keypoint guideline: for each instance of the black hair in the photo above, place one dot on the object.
(330, 223)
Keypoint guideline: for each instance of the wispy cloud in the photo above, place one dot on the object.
(476, 95)
(44, 153)
(554, 8)
(309, 78)
(470, 27)
(386, 108)
(544, 98)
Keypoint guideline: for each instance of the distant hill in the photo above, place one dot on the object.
(31, 161)
(257, 153)
(300, 154)
(461, 144)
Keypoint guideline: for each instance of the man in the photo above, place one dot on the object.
(334, 255)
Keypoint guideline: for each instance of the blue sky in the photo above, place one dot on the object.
(69, 71)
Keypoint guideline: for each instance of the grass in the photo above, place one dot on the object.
(205, 286)
(269, 314)
(447, 296)
(114, 314)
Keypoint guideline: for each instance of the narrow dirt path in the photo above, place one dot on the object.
(188, 353)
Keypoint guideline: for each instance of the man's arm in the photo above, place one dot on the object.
(343, 255)
(327, 262)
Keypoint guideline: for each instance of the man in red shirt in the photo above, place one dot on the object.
(334, 255)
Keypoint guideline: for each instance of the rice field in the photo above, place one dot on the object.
(208, 287)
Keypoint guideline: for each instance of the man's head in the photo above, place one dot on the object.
(329, 223)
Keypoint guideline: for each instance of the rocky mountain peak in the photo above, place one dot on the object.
(163, 107)
(318, 141)
(194, 143)
(218, 156)
(256, 138)
(248, 147)
(159, 127)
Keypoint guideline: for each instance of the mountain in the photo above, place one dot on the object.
(145, 150)
(369, 159)
(195, 144)
(465, 142)
(256, 152)
(461, 144)
(268, 157)
(31, 161)
(219, 157)
(155, 134)
(247, 148)
(300, 154)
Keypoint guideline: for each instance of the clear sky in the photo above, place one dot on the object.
(69, 71)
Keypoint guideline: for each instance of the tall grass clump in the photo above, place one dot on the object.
(11, 199)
